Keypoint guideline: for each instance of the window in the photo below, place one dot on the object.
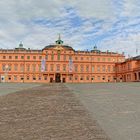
(98, 77)
(87, 77)
(70, 77)
(76, 58)
(28, 57)
(22, 57)
(93, 78)
(34, 78)
(82, 78)
(64, 57)
(4, 57)
(103, 59)
(9, 67)
(21, 67)
(58, 55)
(16, 57)
(98, 68)
(98, 59)
(108, 68)
(70, 57)
(34, 67)
(57, 67)
(34, 57)
(109, 59)
(46, 67)
(9, 78)
(39, 78)
(40, 57)
(15, 67)
(21, 78)
(103, 78)
(76, 68)
(92, 68)
(28, 67)
(64, 67)
(46, 56)
(114, 78)
(28, 77)
(51, 67)
(10, 57)
(15, 78)
(52, 57)
(87, 68)
(82, 68)
(113, 68)
(3, 67)
(103, 68)
(129, 66)
(76, 78)
(45, 77)
(82, 58)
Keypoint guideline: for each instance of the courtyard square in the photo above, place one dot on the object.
(105, 111)
(116, 107)
(46, 112)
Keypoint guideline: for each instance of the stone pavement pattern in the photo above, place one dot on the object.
(6, 88)
(116, 106)
(47, 112)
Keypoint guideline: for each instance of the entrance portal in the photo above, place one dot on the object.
(64, 80)
(57, 78)
(51, 80)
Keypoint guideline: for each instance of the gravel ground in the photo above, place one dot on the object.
(47, 112)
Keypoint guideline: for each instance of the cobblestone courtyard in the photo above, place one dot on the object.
(47, 112)
(100, 111)
(116, 107)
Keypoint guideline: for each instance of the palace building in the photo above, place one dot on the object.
(61, 63)
(129, 70)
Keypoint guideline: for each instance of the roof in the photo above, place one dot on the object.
(54, 46)
(136, 57)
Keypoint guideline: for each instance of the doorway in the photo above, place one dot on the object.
(2, 79)
(51, 80)
(57, 78)
(64, 80)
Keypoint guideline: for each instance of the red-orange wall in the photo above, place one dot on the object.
(80, 58)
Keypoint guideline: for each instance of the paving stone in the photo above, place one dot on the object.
(47, 112)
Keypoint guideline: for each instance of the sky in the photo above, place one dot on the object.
(112, 25)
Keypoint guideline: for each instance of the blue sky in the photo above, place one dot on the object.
(110, 24)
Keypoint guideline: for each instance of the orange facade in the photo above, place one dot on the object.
(61, 63)
(129, 70)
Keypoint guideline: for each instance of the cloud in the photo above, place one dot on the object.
(111, 24)
(96, 8)
(131, 8)
(20, 9)
(127, 44)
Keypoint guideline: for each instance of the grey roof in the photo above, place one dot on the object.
(136, 57)
(52, 46)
